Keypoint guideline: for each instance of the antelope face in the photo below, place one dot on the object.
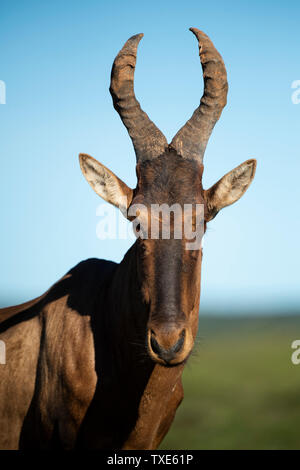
(169, 207)
(169, 202)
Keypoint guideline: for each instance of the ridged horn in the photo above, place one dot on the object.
(191, 140)
(147, 139)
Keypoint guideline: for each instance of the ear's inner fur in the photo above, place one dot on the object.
(229, 188)
(105, 183)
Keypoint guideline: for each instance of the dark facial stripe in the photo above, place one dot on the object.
(168, 268)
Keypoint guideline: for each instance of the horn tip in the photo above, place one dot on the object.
(82, 160)
(83, 157)
(197, 32)
(132, 42)
(136, 37)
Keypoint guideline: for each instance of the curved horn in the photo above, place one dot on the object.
(191, 140)
(147, 139)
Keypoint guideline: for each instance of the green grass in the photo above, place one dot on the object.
(241, 389)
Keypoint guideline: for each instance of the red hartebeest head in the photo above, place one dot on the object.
(170, 174)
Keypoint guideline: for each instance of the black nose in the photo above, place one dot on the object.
(167, 354)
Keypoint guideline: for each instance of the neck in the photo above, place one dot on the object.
(128, 315)
(138, 389)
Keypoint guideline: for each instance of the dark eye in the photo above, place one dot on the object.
(144, 250)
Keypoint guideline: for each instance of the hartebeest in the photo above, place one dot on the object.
(96, 362)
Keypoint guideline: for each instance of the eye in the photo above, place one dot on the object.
(138, 229)
(144, 250)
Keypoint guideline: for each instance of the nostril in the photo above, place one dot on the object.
(154, 345)
(167, 354)
(179, 344)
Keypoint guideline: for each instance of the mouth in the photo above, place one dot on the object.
(168, 364)
(169, 348)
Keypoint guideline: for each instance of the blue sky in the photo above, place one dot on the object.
(56, 59)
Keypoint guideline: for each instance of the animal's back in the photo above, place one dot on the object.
(33, 327)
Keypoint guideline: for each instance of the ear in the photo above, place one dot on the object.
(229, 188)
(105, 183)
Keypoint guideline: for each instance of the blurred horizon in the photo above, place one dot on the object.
(56, 59)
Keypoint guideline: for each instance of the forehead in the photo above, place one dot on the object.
(170, 179)
(169, 201)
